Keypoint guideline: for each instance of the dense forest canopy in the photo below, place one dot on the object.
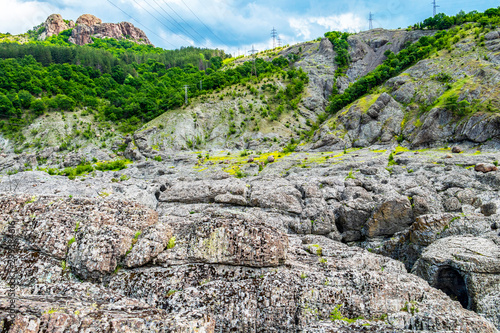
(442, 21)
(130, 86)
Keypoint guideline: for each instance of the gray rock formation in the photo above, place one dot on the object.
(367, 48)
(369, 122)
(229, 254)
(89, 26)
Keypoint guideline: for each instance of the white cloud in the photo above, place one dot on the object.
(236, 23)
(306, 26)
(19, 16)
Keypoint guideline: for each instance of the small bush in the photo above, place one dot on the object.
(391, 160)
(290, 147)
(171, 243)
(240, 174)
(124, 178)
(350, 175)
(112, 165)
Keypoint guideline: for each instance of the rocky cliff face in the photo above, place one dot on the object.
(88, 26)
(93, 27)
(367, 49)
(414, 107)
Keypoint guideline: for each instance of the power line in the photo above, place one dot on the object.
(274, 34)
(193, 29)
(141, 24)
(147, 11)
(204, 24)
(175, 21)
(252, 52)
(434, 6)
(371, 20)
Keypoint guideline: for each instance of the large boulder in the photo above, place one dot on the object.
(88, 20)
(236, 242)
(276, 194)
(54, 25)
(392, 216)
(201, 191)
(92, 236)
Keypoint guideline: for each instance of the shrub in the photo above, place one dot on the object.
(171, 243)
(350, 175)
(391, 160)
(111, 165)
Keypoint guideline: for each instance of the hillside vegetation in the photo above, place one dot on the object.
(125, 85)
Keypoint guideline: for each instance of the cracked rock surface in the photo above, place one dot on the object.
(343, 245)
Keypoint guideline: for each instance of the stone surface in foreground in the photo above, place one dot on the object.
(228, 271)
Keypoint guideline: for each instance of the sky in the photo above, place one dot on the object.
(234, 25)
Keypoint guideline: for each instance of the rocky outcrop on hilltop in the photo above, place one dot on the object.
(54, 25)
(88, 20)
(89, 26)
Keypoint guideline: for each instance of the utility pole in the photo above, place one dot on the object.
(274, 34)
(186, 94)
(434, 6)
(371, 20)
(252, 52)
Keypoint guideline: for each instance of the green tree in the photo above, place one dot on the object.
(38, 106)
(64, 102)
(6, 107)
(25, 99)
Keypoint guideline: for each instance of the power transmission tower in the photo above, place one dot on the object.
(371, 20)
(279, 42)
(274, 34)
(186, 94)
(252, 52)
(434, 6)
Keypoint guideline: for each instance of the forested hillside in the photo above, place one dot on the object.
(127, 84)
(131, 86)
